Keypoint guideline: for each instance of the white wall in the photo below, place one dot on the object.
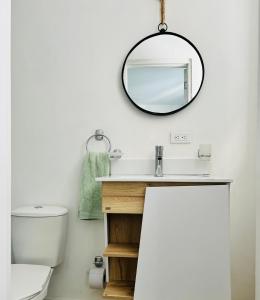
(257, 287)
(257, 281)
(67, 58)
(5, 148)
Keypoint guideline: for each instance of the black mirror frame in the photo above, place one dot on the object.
(163, 32)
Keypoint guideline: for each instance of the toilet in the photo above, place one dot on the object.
(38, 243)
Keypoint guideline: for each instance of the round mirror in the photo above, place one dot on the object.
(163, 73)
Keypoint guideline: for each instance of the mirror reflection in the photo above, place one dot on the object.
(163, 73)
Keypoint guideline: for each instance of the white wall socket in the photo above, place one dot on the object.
(180, 138)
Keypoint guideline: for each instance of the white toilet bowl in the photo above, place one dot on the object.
(30, 282)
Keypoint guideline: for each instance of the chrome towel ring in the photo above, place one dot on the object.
(99, 136)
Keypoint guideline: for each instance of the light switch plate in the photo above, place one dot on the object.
(180, 138)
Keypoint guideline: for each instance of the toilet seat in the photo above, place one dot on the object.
(29, 282)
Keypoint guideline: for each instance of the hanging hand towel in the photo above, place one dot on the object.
(94, 165)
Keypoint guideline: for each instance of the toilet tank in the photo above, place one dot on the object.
(39, 235)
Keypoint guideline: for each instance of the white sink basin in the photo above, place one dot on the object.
(166, 178)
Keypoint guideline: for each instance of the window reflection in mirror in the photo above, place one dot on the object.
(159, 85)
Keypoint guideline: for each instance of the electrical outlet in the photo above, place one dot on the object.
(180, 138)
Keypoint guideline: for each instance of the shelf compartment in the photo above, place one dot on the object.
(119, 290)
(122, 250)
(124, 228)
(122, 269)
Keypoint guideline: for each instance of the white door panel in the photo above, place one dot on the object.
(184, 250)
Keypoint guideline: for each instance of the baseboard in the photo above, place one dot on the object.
(61, 298)
(66, 298)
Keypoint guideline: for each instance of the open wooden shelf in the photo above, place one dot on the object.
(119, 290)
(123, 237)
(122, 250)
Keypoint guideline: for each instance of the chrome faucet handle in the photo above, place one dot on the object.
(158, 151)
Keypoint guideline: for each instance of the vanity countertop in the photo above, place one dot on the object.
(166, 178)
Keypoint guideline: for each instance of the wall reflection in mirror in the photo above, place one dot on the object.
(163, 73)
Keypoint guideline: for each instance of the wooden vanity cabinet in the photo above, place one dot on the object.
(123, 206)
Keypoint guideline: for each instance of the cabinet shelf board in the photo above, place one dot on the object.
(122, 250)
(119, 290)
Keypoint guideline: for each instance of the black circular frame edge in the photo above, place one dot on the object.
(146, 38)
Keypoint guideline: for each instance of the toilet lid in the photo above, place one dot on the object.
(28, 280)
(39, 211)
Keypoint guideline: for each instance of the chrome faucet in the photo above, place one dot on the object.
(158, 161)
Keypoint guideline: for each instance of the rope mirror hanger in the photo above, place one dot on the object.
(162, 27)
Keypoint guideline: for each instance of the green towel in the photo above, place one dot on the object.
(94, 165)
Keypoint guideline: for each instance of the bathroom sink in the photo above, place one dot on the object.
(165, 178)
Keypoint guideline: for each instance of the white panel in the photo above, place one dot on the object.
(5, 148)
(184, 250)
